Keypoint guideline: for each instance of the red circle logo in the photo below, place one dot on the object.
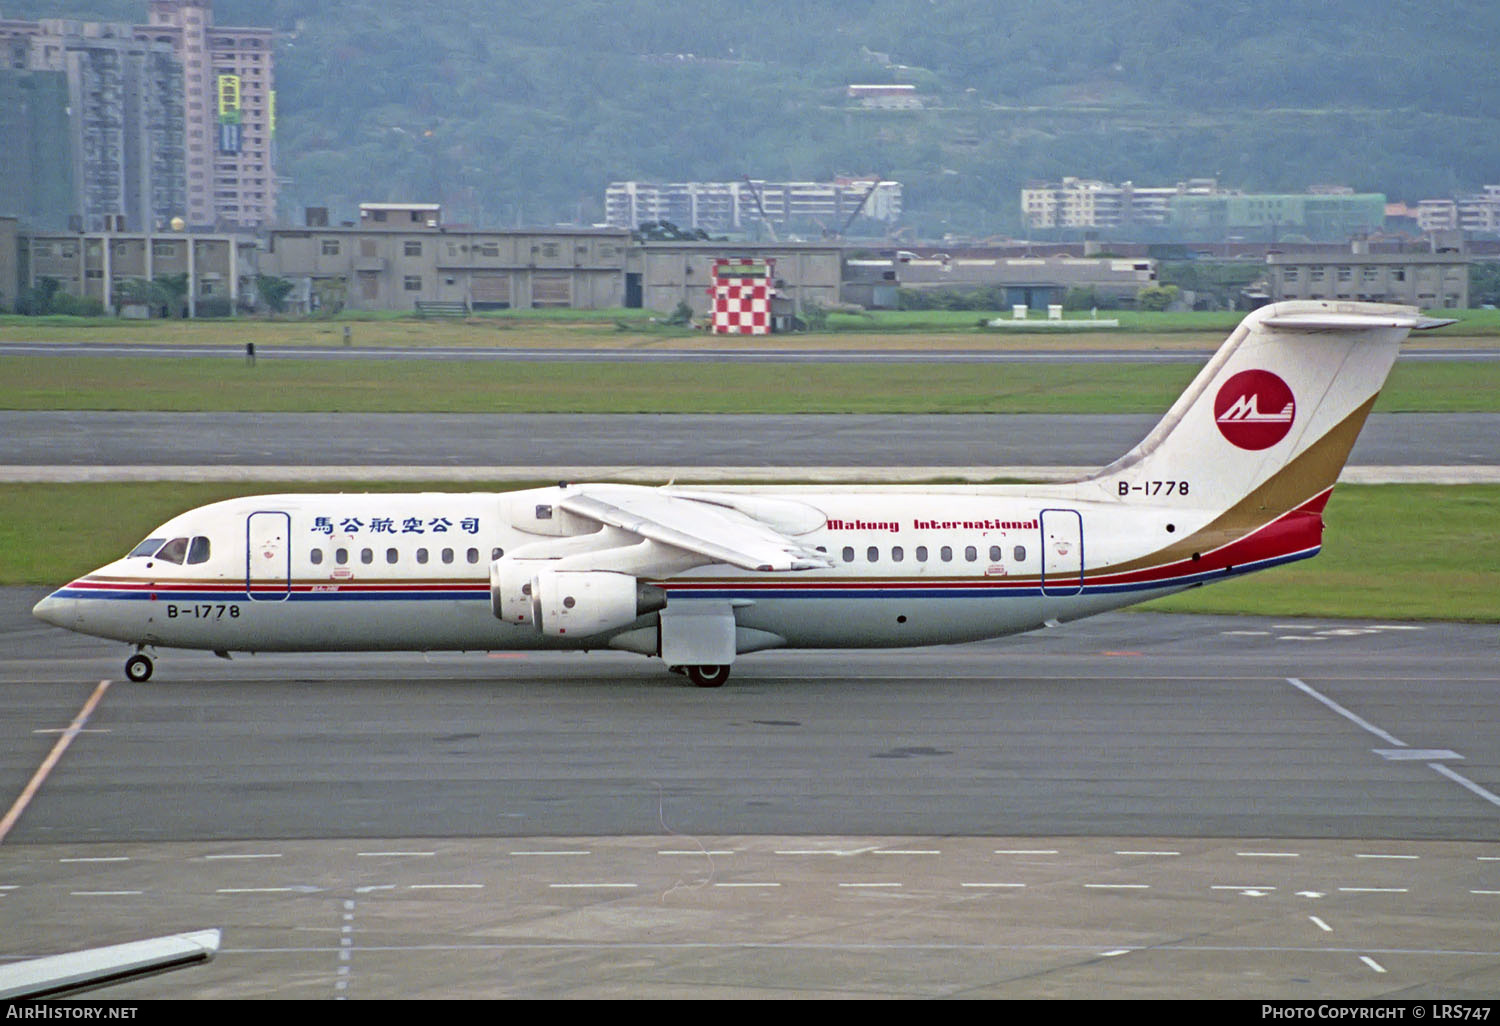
(1255, 409)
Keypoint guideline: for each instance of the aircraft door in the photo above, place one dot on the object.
(1062, 552)
(268, 556)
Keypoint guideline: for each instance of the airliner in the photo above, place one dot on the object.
(1233, 479)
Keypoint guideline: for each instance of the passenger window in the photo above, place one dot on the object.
(367, 556)
(921, 553)
(391, 555)
(496, 553)
(947, 554)
(1020, 553)
(848, 553)
(341, 556)
(447, 555)
(147, 547)
(174, 551)
(994, 553)
(971, 553)
(316, 555)
(897, 555)
(473, 555)
(872, 554)
(421, 555)
(198, 550)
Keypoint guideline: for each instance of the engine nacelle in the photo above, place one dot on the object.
(511, 588)
(579, 603)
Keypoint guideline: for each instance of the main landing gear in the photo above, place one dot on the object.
(138, 667)
(707, 676)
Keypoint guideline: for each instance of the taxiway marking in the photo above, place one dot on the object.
(53, 757)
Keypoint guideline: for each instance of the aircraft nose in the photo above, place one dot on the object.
(60, 612)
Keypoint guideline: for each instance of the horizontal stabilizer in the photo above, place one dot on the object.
(1339, 321)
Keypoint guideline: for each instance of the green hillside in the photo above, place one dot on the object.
(512, 112)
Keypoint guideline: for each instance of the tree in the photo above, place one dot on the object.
(273, 290)
(138, 292)
(172, 290)
(1484, 284)
(815, 316)
(1156, 297)
(330, 294)
(37, 300)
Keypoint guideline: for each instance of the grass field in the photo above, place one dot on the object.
(613, 328)
(1390, 552)
(401, 386)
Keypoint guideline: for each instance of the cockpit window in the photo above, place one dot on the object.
(198, 550)
(147, 547)
(174, 551)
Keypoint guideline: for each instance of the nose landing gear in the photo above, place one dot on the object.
(138, 667)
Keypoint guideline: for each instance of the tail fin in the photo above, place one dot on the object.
(1272, 417)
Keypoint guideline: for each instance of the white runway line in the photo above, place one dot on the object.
(1465, 782)
(1416, 754)
(1351, 717)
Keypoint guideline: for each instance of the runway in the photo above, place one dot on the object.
(548, 441)
(707, 353)
(1134, 805)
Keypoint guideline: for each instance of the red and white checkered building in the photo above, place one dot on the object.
(741, 295)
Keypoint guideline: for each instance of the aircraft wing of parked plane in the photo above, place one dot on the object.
(1233, 479)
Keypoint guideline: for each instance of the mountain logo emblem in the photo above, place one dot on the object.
(1255, 409)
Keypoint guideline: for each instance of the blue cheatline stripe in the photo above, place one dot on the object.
(688, 594)
(994, 589)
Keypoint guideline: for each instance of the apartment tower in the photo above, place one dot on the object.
(229, 103)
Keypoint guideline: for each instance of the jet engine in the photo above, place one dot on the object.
(568, 602)
(511, 588)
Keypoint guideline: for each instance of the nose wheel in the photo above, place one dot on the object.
(138, 667)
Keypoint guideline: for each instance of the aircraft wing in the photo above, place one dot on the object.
(705, 524)
(59, 975)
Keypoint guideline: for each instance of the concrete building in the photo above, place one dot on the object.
(399, 216)
(1428, 280)
(1090, 203)
(737, 206)
(10, 262)
(124, 121)
(1197, 209)
(229, 103)
(683, 272)
(36, 174)
(900, 96)
(1478, 213)
(1322, 215)
(1034, 282)
(219, 267)
(401, 257)
(174, 118)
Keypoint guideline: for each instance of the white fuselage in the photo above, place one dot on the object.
(411, 572)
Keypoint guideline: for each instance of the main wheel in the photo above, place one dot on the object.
(138, 667)
(708, 676)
